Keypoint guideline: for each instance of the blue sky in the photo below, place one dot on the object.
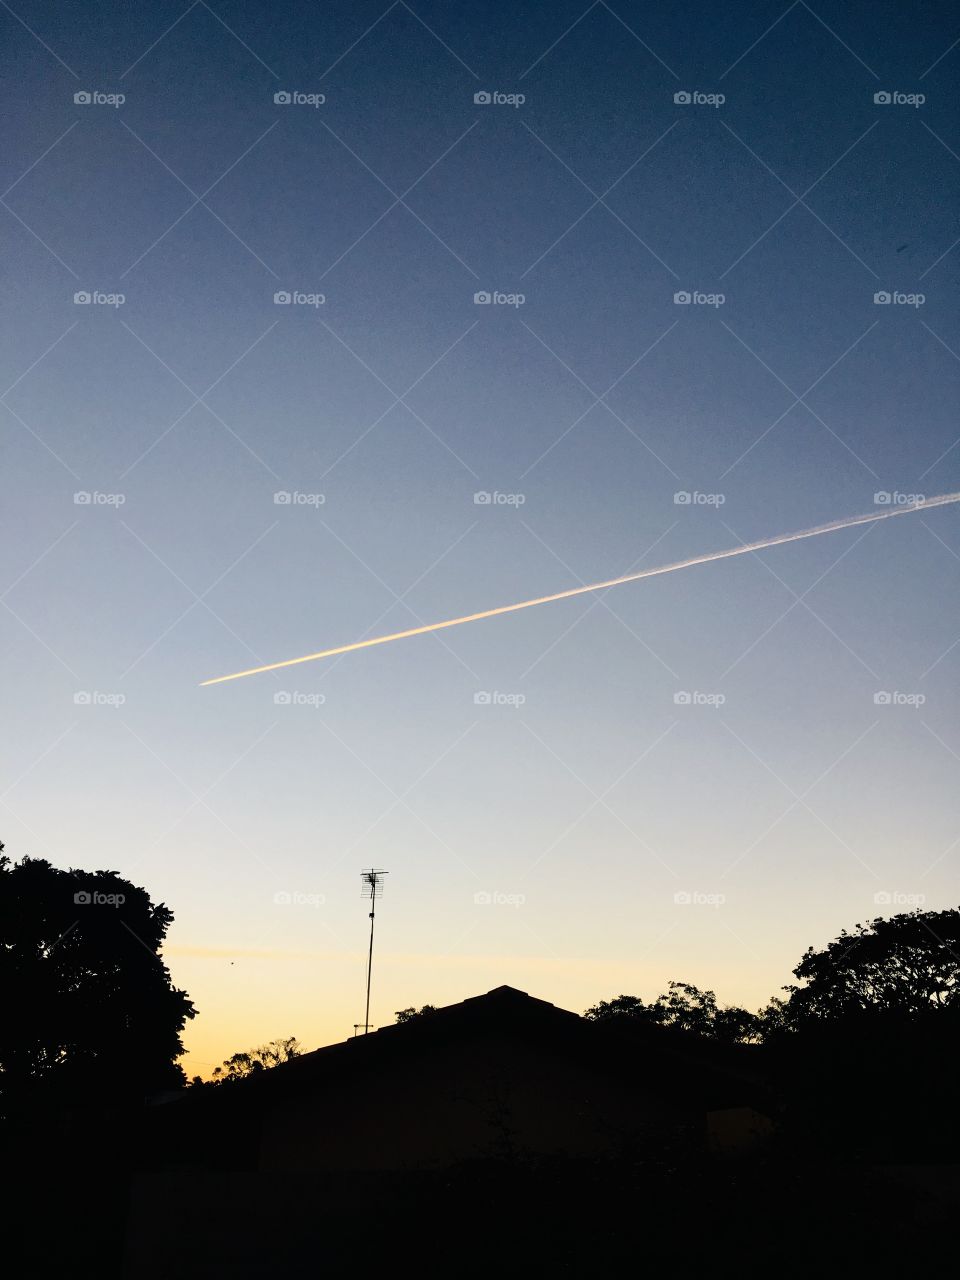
(585, 798)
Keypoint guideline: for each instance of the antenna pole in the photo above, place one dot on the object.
(366, 1020)
(371, 882)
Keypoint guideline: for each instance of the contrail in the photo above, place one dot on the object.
(847, 523)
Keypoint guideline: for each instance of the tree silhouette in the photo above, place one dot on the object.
(89, 1006)
(686, 1008)
(241, 1065)
(406, 1015)
(907, 965)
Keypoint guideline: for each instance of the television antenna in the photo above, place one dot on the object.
(371, 886)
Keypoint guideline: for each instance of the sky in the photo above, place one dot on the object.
(304, 342)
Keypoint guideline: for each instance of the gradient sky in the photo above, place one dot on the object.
(583, 810)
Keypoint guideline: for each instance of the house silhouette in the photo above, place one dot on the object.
(498, 1076)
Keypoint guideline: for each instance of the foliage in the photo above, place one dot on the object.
(89, 1005)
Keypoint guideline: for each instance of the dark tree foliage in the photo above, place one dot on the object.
(406, 1015)
(686, 1008)
(89, 1008)
(241, 1065)
(907, 966)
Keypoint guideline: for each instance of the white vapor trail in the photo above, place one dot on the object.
(847, 522)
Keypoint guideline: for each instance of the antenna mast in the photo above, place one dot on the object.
(371, 882)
